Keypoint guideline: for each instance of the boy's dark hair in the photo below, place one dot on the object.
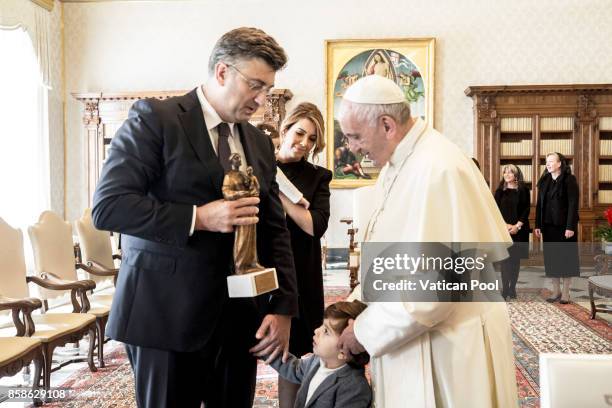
(341, 312)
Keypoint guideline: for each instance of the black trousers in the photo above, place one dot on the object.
(509, 273)
(222, 374)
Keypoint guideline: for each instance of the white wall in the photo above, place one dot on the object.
(130, 46)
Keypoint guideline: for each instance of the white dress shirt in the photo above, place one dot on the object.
(212, 119)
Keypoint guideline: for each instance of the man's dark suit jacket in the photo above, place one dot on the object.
(172, 288)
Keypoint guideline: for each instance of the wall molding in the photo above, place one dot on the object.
(103, 1)
(46, 4)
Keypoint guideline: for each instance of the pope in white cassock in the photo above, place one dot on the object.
(426, 354)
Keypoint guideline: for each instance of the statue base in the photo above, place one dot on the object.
(252, 284)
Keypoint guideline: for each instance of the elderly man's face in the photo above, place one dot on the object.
(365, 138)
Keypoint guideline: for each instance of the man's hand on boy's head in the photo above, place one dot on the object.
(348, 343)
(273, 336)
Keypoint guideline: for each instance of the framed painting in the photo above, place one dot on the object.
(408, 62)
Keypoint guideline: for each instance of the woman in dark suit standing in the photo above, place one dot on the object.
(557, 222)
(514, 202)
(302, 135)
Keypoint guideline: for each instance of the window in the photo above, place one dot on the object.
(24, 169)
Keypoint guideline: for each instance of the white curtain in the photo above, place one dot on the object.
(35, 21)
(24, 167)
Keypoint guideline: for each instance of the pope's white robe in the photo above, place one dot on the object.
(436, 354)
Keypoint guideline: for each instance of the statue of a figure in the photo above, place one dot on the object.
(237, 184)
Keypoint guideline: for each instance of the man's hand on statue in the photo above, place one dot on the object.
(222, 215)
(273, 336)
(348, 343)
(537, 232)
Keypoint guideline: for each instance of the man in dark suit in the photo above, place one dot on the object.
(187, 341)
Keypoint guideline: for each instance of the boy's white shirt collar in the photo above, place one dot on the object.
(324, 369)
(318, 378)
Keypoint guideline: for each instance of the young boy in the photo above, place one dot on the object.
(329, 378)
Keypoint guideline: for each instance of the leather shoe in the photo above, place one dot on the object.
(554, 299)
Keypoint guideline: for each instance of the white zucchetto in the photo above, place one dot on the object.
(374, 89)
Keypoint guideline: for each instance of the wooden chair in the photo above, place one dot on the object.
(601, 284)
(51, 330)
(51, 239)
(19, 351)
(324, 254)
(353, 258)
(98, 262)
(575, 380)
(363, 207)
(96, 251)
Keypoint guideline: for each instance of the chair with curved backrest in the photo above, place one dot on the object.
(51, 330)
(575, 380)
(98, 262)
(18, 351)
(601, 284)
(96, 251)
(53, 250)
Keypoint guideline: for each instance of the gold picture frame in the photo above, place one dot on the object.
(409, 62)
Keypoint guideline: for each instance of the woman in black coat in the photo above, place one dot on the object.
(302, 134)
(514, 202)
(557, 222)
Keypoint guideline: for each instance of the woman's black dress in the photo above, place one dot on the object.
(557, 211)
(313, 181)
(514, 204)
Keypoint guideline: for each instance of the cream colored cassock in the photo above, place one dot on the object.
(436, 354)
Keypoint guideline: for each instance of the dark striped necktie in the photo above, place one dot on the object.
(223, 147)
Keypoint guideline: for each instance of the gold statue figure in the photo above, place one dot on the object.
(236, 185)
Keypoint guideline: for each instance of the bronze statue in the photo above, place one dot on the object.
(237, 184)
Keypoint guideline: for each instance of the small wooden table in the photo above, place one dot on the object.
(601, 283)
(353, 262)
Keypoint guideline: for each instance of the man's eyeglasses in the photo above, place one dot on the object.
(254, 85)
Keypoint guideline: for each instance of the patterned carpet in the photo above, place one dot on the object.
(537, 327)
(540, 327)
